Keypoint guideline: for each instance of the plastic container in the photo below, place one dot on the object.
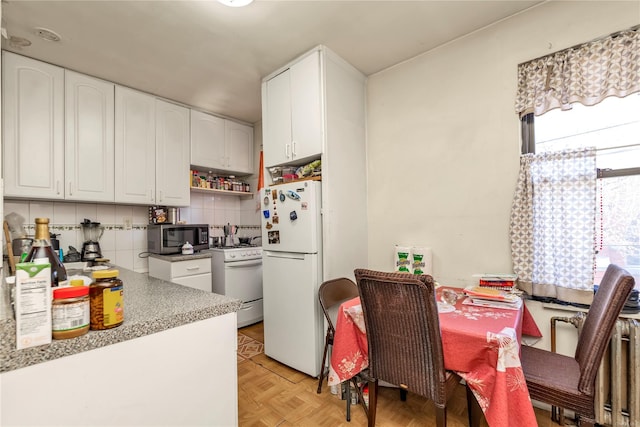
(187, 249)
(106, 300)
(70, 312)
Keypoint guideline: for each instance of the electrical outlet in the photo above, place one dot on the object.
(127, 223)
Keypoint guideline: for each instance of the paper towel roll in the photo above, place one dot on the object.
(421, 260)
(402, 259)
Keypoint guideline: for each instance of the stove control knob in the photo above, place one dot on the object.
(232, 255)
(243, 254)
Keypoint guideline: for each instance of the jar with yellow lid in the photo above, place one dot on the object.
(70, 312)
(106, 300)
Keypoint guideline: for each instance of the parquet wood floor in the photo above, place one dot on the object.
(272, 394)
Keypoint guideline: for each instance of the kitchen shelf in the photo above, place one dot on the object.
(308, 178)
(228, 192)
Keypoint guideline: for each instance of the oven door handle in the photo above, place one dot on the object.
(242, 264)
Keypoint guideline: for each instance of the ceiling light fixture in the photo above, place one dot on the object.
(18, 42)
(235, 3)
(48, 35)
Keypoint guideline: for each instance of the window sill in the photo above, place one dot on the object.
(572, 309)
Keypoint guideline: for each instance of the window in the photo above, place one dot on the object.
(613, 128)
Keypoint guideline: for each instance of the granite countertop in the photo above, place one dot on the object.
(150, 305)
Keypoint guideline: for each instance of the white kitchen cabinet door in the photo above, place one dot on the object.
(89, 143)
(33, 128)
(276, 115)
(239, 147)
(306, 108)
(207, 141)
(292, 113)
(172, 154)
(135, 147)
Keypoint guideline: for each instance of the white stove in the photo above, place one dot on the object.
(237, 272)
(238, 253)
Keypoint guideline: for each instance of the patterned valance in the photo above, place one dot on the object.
(587, 74)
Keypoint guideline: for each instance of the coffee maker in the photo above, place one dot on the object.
(92, 232)
(229, 235)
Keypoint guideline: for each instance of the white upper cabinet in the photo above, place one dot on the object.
(207, 140)
(89, 143)
(135, 147)
(292, 113)
(221, 144)
(239, 147)
(172, 154)
(33, 128)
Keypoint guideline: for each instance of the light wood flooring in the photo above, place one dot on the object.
(272, 394)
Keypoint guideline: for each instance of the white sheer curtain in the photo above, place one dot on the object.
(553, 219)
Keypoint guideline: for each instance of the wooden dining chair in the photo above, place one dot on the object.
(403, 334)
(332, 293)
(569, 382)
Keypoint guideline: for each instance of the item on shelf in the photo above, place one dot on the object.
(313, 168)
(158, 214)
(211, 182)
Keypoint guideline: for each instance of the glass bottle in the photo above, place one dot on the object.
(41, 252)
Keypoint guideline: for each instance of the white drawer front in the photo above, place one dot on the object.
(190, 267)
(250, 313)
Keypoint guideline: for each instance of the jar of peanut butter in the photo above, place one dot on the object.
(70, 312)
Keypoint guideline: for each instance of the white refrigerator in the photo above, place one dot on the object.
(292, 273)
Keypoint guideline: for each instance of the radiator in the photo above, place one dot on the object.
(617, 394)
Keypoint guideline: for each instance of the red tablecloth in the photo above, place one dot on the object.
(481, 344)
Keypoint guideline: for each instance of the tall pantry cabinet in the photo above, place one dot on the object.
(314, 108)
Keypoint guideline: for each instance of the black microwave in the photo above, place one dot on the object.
(169, 238)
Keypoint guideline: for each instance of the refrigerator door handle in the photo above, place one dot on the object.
(288, 255)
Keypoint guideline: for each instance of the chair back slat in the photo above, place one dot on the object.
(614, 289)
(403, 331)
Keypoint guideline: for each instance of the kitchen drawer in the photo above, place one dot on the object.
(190, 267)
(250, 312)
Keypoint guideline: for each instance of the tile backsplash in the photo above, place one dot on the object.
(124, 241)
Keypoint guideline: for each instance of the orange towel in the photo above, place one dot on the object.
(261, 173)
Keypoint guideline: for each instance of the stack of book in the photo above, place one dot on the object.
(495, 298)
(504, 282)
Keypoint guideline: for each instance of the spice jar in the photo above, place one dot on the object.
(105, 295)
(70, 312)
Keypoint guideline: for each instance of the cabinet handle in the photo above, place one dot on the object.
(293, 149)
(70, 192)
(193, 268)
(286, 150)
(151, 195)
(58, 187)
(160, 198)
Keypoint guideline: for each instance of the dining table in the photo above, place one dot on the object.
(480, 343)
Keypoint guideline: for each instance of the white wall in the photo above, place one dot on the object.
(444, 139)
